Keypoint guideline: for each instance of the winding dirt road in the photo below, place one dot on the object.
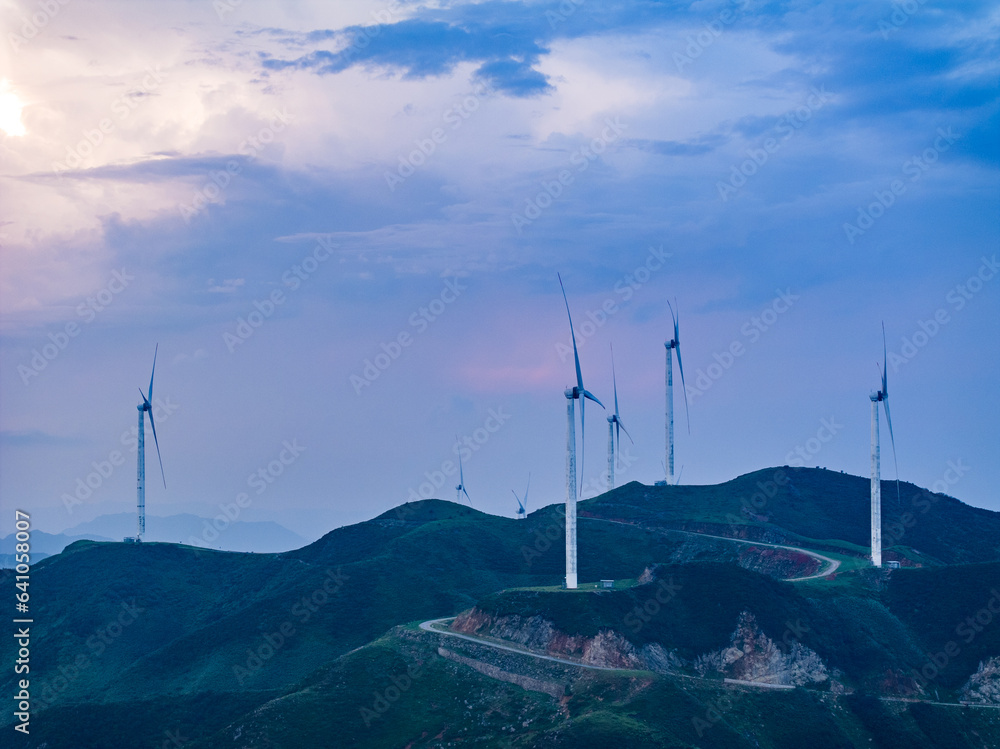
(832, 564)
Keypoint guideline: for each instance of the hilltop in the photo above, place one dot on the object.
(199, 639)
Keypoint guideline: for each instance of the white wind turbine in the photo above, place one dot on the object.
(460, 489)
(522, 505)
(674, 343)
(578, 392)
(881, 396)
(146, 405)
(615, 427)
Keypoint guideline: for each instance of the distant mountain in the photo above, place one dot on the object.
(42, 545)
(139, 640)
(263, 537)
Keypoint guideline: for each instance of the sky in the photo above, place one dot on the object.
(339, 226)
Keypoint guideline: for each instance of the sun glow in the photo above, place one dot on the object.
(10, 111)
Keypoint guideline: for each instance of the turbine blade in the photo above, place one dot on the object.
(892, 440)
(619, 423)
(576, 355)
(583, 443)
(157, 443)
(520, 506)
(526, 491)
(885, 368)
(678, 479)
(150, 398)
(145, 402)
(677, 326)
(680, 366)
(614, 381)
(672, 316)
(466, 494)
(461, 477)
(588, 394)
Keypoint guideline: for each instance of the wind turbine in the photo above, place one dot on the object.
(883, 397)
(146, 405)
(674, 343)
(460, 489)
(572, 395)
(615, 428)
(522, 506)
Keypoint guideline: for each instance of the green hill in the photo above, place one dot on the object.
(812, 504)
(171, 635)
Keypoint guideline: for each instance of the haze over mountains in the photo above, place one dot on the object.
(213, 533)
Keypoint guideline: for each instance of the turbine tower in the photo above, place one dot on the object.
(615, 427)
(674, 343)
(572, 395)
(522, 506)
(146, 405)
(460, 489)
(883, 397)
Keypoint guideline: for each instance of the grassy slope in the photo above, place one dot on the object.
(202, 610)
(867, 635)
(816, 504)
(447, 704)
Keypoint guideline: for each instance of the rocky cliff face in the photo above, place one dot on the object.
(607, 649)
(753, 656)
(983, 687)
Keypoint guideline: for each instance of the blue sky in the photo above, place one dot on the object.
(286, 197)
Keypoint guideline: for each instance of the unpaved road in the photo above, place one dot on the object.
(832, 564)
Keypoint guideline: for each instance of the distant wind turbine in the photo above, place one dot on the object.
(615, 427)
(572, 395)
(674, 343)
(460, 489)
(522, 506)
(146, 405)
(883, 397)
